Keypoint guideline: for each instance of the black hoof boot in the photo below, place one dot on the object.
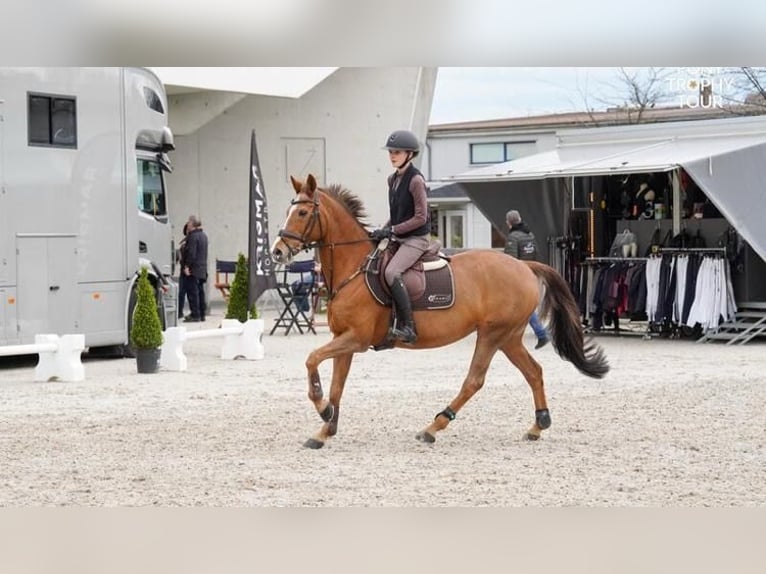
(327, 413)
(543, 418)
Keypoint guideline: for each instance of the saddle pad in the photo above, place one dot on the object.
(439, 291)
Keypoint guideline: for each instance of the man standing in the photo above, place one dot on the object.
(521, 244)
(195, 269)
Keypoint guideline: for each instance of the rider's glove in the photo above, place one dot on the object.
(382, 233)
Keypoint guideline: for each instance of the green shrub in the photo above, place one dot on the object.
(240, 293)
(146, 329)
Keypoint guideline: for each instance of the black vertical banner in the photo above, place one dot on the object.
(261, 265)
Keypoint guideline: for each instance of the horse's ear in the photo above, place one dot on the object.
(311, 183)
(297, 185)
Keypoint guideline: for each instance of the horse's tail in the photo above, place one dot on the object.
(566, 329)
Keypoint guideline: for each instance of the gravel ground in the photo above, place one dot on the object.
(674, 424)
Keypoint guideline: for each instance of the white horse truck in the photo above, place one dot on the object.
(83, 203)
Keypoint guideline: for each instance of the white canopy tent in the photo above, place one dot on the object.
(726, 158)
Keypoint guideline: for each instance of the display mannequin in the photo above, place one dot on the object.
(643, 206)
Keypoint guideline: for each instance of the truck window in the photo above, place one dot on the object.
(153, 100)
(151, 192)
(52, 121)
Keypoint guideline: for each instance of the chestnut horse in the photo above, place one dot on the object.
(495, 294)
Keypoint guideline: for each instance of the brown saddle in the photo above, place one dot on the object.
(429, 282)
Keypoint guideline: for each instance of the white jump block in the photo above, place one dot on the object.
(248, 344)
(241, 340)
(59, 357)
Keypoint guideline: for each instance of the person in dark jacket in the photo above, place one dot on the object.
(195, 269)
(521, 244)
(408, 223)
(182, 298)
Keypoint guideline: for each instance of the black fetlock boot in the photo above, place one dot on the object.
(405, 328)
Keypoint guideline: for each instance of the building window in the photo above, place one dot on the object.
(52, 121)
(515, 150)
(487, 153)
(498, 152)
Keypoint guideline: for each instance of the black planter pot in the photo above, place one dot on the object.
(148, 360)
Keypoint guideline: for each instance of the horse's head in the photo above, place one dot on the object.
(303, 225)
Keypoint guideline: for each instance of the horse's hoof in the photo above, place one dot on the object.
(531, 436)
(313, 443)
(327, 413)
(424, 436)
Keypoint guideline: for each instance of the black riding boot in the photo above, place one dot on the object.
(405, 328)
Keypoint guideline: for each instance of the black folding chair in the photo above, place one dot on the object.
(297, 284)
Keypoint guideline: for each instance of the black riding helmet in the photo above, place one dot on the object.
(404, 140)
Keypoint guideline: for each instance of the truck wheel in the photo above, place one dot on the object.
(127, 350)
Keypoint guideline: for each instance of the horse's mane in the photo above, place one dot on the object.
(349, 201)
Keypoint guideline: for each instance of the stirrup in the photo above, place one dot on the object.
(406, 334)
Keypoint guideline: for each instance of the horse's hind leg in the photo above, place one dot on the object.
(533, 373)
(486, 347)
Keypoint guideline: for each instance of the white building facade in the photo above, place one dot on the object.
(335, 131)
(457, 148)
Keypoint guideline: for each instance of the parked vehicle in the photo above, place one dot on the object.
(83, 201)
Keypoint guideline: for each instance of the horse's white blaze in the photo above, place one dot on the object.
(275, 246)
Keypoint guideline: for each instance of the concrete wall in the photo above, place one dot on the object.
(335, 131)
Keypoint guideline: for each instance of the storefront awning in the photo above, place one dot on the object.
(608, 158)
(728, 164)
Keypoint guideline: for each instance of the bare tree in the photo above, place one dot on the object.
(634, 91)
(735, 91)
(644, 89)
(747, 90)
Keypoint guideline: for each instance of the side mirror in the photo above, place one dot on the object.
(167, 142)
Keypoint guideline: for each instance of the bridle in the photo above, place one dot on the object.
(303, 237)
(305, 244)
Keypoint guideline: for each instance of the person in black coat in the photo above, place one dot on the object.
(521, 244)
(182, 298)
(194, 269)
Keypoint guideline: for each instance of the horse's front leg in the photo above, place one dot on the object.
(341, 350)
(329, 409)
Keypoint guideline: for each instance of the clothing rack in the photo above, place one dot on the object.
(691, 250)
(669, 316)
(613, 259)
(624, 325)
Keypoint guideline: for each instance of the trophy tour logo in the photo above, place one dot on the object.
(702, 87)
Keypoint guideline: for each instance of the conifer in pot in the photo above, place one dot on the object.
(239, 294)
(146, 328)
